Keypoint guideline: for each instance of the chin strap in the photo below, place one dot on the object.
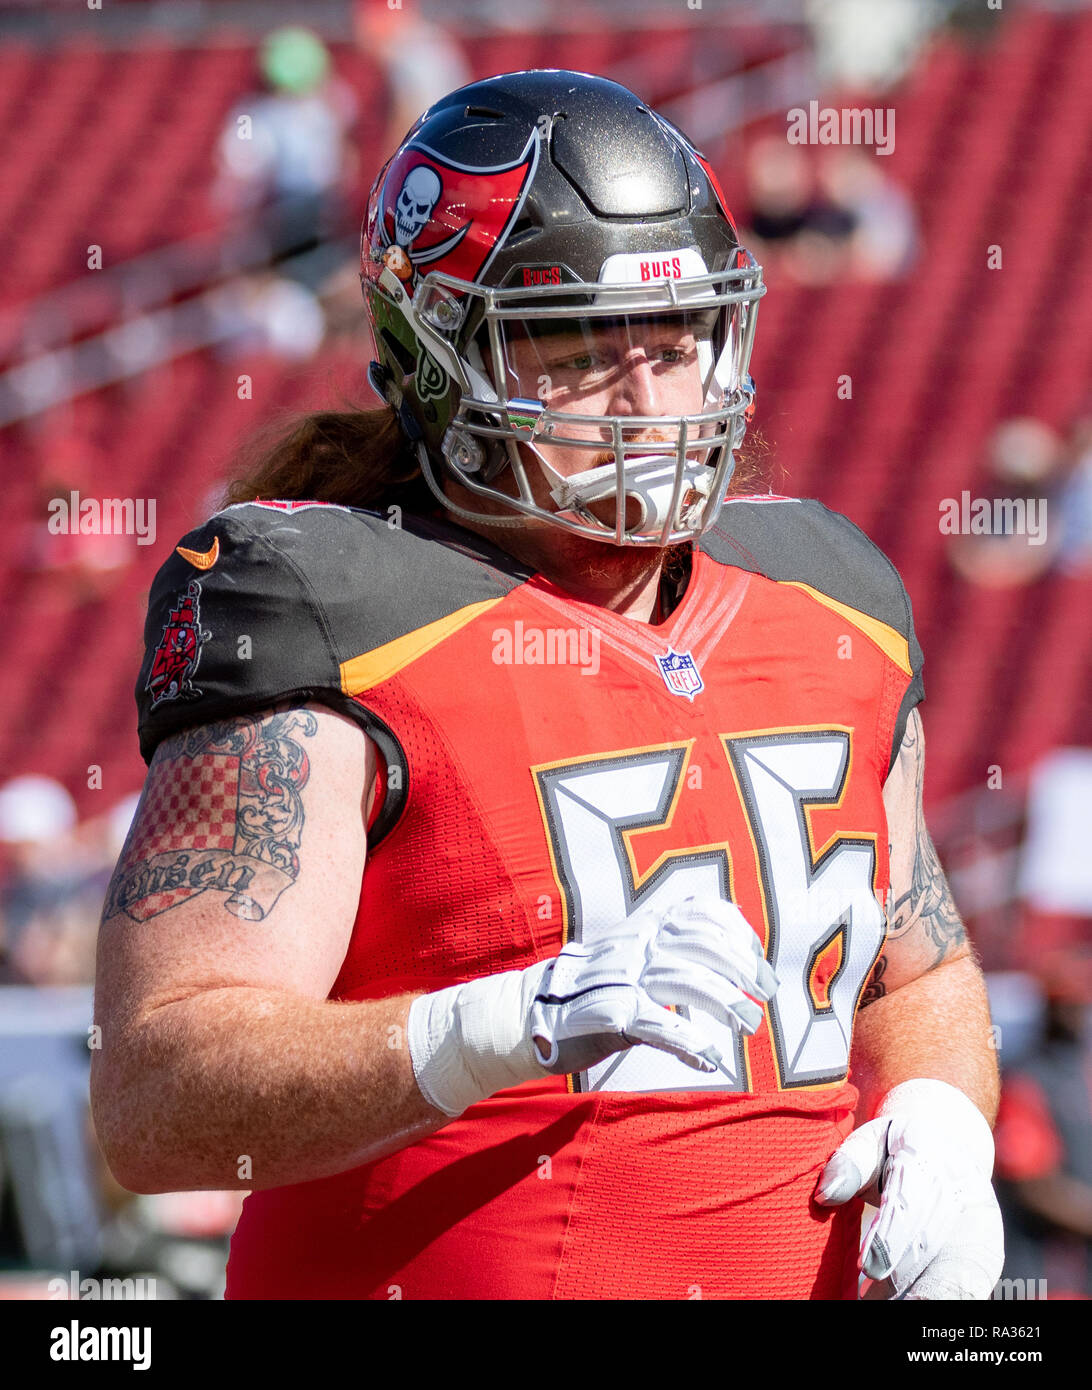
(649, 480)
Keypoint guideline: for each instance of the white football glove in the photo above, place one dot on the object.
(593, 1000)
(606, 997)
(926, 1162)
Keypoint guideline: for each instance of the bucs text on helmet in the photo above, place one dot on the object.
(531, 233)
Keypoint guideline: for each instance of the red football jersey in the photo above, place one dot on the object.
(553, 768)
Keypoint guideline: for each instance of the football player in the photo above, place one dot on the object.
(506, 904)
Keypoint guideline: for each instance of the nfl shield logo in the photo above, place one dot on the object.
(680, 673)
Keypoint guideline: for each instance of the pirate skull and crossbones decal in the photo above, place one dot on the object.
(420, 193)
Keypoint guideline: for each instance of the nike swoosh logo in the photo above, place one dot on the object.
(203, 561)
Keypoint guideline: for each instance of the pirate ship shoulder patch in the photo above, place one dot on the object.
(179, 651)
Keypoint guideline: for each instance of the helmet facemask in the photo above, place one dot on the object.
(537, 378)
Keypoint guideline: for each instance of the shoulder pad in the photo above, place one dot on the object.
(798, 540)
(267, 600)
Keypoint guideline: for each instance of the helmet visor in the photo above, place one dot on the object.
(641, 365)
(635, 363)
(662, 377)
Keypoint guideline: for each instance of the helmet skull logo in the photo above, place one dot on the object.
(420, 193)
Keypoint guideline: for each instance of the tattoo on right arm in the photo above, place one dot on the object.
(221, 811)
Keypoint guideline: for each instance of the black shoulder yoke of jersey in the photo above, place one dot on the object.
(265, 601)
(799, 540)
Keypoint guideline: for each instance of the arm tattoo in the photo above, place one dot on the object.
(221, 810)
(926, 914)
(929, 904)
(875, 989)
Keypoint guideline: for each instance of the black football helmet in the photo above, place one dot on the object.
(524, 222)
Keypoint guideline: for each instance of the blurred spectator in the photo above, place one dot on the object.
(269, 314)
(60, 1208)
(1075, 500)
(1044, 1128)
(869, 43)
(48, 1180)
(1044, 1139)
(1017, 1009)
(421, 60)
(284, 154)
(883, 241)
(822, 216)
(1055, 877)
(79, 566)
(1018, 543)
(45, 940)
(792, 222)
(53, 879)
(38, 937)
(33, 810)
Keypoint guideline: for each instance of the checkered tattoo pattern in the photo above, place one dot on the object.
(194, 807)
(222, 812)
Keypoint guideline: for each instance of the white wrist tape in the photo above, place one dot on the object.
(470, 1040)
(947, 1109)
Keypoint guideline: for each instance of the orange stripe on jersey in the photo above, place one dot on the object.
(890, 642)
(372, 668)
